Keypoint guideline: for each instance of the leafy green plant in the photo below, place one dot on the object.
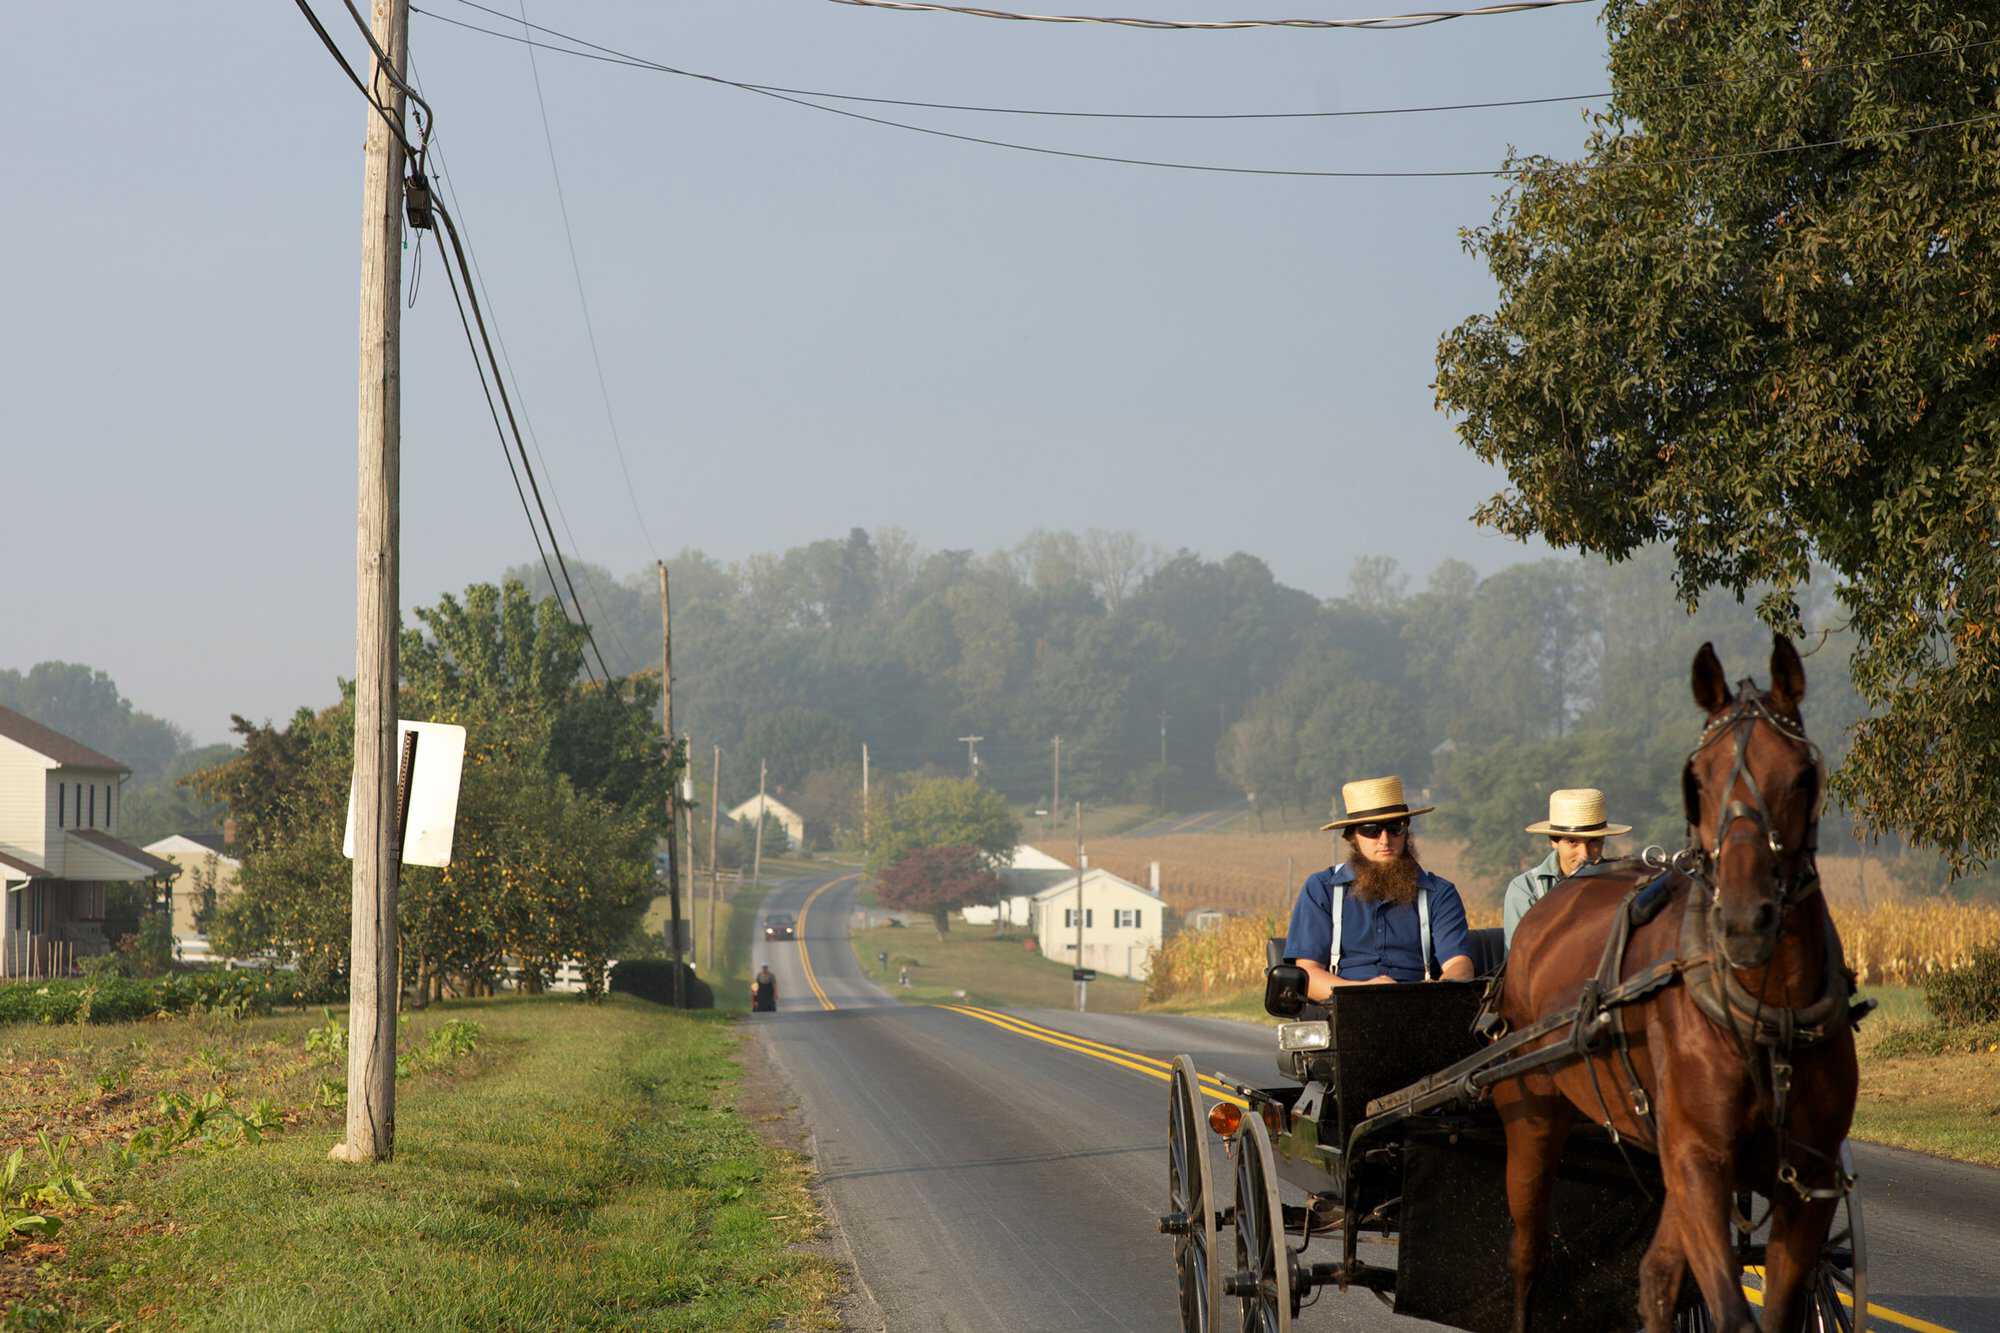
(16, 1219)
(1968, 994)
(328, 1041)
(63, 1185)
(454, 1038)
(332, 1094)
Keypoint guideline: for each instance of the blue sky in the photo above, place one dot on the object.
(807, 323)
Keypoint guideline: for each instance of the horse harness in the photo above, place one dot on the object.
(1768, 1036)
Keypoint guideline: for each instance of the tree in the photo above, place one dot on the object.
(85, 705)
(938, 880)
(1765, 359)
(172, 803)
(945, 812)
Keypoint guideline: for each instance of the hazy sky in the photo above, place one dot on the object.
(807, 322)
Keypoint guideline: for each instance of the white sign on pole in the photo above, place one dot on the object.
(433, 796)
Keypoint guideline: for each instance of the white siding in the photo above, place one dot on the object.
(76, 797)
(1123, 950)
(23, 783)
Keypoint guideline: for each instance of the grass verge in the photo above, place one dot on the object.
(994, 971)
(1926, 1087)
(582, 1170)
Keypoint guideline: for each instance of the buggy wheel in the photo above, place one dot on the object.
(1263, 1280)
(1839, 1285)
(1190, 1215)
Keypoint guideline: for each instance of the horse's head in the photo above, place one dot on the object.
(1752, 789)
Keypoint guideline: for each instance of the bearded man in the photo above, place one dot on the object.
(1378, 917)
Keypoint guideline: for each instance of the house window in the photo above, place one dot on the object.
(107, 805)
(1089, 917)
(1126, 918)
(93, 805)
(62, 804)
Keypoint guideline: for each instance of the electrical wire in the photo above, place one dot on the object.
(1219, 168)
(1382, 23)
(443, 176)
(582, 300)
(479, 318)
(610, 56)
(613, 56)
(415, 155)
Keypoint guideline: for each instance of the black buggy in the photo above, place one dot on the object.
(1404, 1177)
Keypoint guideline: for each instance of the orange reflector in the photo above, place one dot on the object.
(1225, 1118)
(1274, 1116)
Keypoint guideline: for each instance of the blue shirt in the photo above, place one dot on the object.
(1376, 938)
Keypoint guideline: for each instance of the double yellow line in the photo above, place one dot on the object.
(805, 955)
(1151, 1066)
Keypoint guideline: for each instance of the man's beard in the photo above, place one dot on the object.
(1393, 882)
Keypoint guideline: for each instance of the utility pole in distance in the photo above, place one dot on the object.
(673, 793)
(1055, 791)
(757, 856)
(971, 744)
(864, 799)
(1082, 986)
(701, 959)
(714, 815)
(374, 978)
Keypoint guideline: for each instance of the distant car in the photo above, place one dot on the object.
(777, 926)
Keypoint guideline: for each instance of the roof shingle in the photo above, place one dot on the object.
(24, 730)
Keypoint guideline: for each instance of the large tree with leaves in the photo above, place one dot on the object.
(1760, 321)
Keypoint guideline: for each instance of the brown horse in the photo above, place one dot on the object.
(1739, 1071)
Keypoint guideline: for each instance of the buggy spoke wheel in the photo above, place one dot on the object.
(1263, 1278)
(1191, 1200)
(1839, 1288)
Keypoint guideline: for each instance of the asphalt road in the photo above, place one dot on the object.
(989, 1179)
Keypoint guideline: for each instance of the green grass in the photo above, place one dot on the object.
(584, 1170)
(1247, 1005)
(1925, 1087)
(999, 972)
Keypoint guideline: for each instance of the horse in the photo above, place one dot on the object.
(1736, 1064)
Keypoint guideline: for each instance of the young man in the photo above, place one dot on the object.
(1388, 906)
(1576, 829)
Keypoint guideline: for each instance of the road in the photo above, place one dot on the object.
(989, 1178)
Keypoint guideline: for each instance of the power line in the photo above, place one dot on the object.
(1382, 23)
(576, 271)
(609, 56)
(1220, 168)
(507, 358)
(613, 56)
(416, 156)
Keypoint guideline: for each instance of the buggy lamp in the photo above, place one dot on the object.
(1225, 1118)
(1304, 1036)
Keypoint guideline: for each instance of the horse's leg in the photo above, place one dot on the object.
(1798, 1230)
(1701, 1180)
(1537, 1120)
(1660, 1274)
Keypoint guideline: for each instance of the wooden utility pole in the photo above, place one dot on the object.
(1055, 790)
(864, 798)
(1082, 986)
(687, 845)
(757, 856)
(673, 792)
(374, 980)
(714, 814)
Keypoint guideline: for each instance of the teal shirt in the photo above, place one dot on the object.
(1525, 890)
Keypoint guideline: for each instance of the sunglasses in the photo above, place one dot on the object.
(1388, 828)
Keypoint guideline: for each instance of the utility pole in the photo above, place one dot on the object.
(673, 792)
(374, 979)
(864, 799)
(714, 815)
(687, 843)
(971, 744)
(1082, 986)
(757, 857)
(1055, 791)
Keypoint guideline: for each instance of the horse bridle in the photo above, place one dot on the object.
(1738, 723)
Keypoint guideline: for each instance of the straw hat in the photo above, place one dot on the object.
(1372, 799)
(1578, 812)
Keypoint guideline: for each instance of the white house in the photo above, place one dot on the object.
(59, 807)
(795, 824)
(1122, 923)
(1017, 905)
(201, 861)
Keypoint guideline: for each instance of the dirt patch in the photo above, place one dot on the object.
(767, 1102)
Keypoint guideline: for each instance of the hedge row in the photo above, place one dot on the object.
(653, 979)
(115, 999)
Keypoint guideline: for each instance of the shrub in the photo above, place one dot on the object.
(118, 999)
(653, 979)
(1969, 993)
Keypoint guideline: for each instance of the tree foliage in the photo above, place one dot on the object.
(945, 812)
(938, 880)
(1772, 362)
